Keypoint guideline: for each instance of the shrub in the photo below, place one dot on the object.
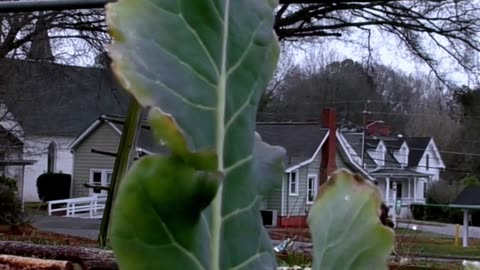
(53, 186)
(470, 181)
(432, 212)
(418, 211)
(10, 208)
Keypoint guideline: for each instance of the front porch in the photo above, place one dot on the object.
(402, 187)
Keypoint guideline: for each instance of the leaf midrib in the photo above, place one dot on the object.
(220, 140)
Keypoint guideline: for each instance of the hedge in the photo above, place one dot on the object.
(53, 186)
(10, 207)
(432, 212)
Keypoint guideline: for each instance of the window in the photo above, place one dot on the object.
(109, 178)
(52, 152)
(100, 177)
(311, 188)
(427, 161)
(293, 183)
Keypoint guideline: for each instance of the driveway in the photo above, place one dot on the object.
(81, 227)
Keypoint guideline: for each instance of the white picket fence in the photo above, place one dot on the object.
(84, 207)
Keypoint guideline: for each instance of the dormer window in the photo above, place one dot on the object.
(402, 155)
(381, 157)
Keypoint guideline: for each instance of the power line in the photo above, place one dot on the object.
(430, 167)
(29, 6)
(421, 149)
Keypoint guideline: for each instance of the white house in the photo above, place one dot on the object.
(12, 160)
(53, 104)
(402, 167)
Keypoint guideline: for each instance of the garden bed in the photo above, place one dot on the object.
(25, 245)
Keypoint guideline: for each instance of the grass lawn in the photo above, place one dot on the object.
(431, 244)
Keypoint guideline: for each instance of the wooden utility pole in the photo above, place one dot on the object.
(364, 127)
(125, 156)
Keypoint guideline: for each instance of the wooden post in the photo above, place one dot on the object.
(17, 262)
(87, 258)
(125, 156)
(465, 228)
(457, 235)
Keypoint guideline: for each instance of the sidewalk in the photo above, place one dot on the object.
(440, 228)
(81, 227)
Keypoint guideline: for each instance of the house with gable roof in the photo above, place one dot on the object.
(52, 104)
(94, 152)
(312, 154)
(402, 167)
(313, 151)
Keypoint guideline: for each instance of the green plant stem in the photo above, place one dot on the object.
(122, 162)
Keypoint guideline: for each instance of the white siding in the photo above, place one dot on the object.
(36, 148)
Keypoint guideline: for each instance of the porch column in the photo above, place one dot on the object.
(394, 208)
(387, 191)
(414, 189)
(409, 190)
(465, 228)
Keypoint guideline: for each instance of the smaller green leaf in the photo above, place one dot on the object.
(345, 226)
(165, 129)
(158, 210)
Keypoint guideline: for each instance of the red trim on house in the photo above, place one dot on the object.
(292, 221)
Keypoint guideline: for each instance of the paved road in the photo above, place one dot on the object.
(82, 227)
(441, 228)
(89, 227)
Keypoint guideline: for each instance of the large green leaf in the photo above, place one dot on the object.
(204, 65)
(345, 226)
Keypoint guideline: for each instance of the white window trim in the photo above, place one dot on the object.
(104, 173)
(315, 187)
(290, 182)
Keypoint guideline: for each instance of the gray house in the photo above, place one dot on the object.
(307, 145)
(94, 153)
(313, 152)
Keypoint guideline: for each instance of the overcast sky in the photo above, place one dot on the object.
(387, 50)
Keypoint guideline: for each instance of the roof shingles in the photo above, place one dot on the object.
(300, 140)
(58, 100)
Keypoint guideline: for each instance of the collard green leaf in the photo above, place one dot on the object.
(345, 226)
(204, 63)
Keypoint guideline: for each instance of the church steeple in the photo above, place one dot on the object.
(40, 48)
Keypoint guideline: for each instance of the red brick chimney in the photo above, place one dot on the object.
(328, 164)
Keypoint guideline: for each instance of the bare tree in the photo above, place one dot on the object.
(432, 31)
(71, 33)
(433, 117)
